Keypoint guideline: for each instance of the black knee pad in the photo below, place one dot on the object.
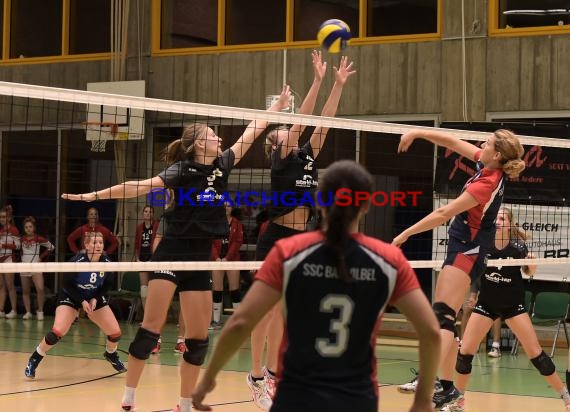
(196, 351)
(544, 364)
(143, 344)
(235, 295)
(114, 338)
(463, 364)
(217, 296)
(445, 316)
(52, 338)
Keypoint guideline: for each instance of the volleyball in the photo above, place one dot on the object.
(333, 35)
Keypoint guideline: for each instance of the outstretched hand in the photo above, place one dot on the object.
(85, 197)
(203, 387)
(284, 99)
(344, 70)
(400, 239)
(406, 141)
(319, 66)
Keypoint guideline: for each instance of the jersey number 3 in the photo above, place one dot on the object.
(339, 326)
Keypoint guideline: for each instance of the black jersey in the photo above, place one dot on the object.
(197, 209)
(503, 286)
(86, 285)
(146, 244)
(330, 324)
(291, 178)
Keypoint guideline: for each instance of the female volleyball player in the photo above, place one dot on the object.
(471, 232)
(335, 284)
(227, 250)
(9, 243)
(144, 238)
(92, 225)
(293, 170)
(502, 296)
(83, 290)
(31, 252)
(194, 161)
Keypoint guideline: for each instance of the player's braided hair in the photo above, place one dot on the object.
(347, 177)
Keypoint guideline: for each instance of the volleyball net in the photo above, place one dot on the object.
(58, 141)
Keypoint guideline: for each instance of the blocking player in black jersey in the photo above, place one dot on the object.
(502, 296)
(293, 170)
(471, 232)
(197, 174)
(144, 238)
(335, 284)
(83, 290)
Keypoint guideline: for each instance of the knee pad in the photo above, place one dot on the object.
(463, 364)
(445, 316)
(144, 291)
(143, 344)
(196, 351)
(114, 338)
(52, 337)
(235, 295)
(544, 364)
(217, 296)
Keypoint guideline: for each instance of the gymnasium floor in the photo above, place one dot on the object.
(75, 377)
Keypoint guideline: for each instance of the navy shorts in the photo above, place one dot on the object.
(64, 299)
(194, 250)
(504, 313)
(467, 256)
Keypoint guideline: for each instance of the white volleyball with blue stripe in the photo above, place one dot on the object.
(333, 35)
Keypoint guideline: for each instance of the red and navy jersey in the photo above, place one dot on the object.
(331, 324)
(503, 286)
(478, 223)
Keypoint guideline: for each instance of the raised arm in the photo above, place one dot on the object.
(459, 146)
(254, 129)
(342, 74)
(124, 190)
(464, 202)
(308, 105)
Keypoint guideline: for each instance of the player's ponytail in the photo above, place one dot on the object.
(183, 148)
(345, 178)
(512, 152)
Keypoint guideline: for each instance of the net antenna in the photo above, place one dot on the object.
(99, 132)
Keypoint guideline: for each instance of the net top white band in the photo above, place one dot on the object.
(208, 265)
(207, 110)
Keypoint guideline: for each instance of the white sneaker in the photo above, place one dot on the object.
(259, 393)
(457, 405)
(11, 315)
(494, 352)
(27, 316)
(40, 315)
(409, 387)
(2, 314)
(270, 383)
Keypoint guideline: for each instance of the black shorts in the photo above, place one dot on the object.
(177, 250)
(64, 299)
(295, 399)
(272, 234)
(469, 257)
(504, 313)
